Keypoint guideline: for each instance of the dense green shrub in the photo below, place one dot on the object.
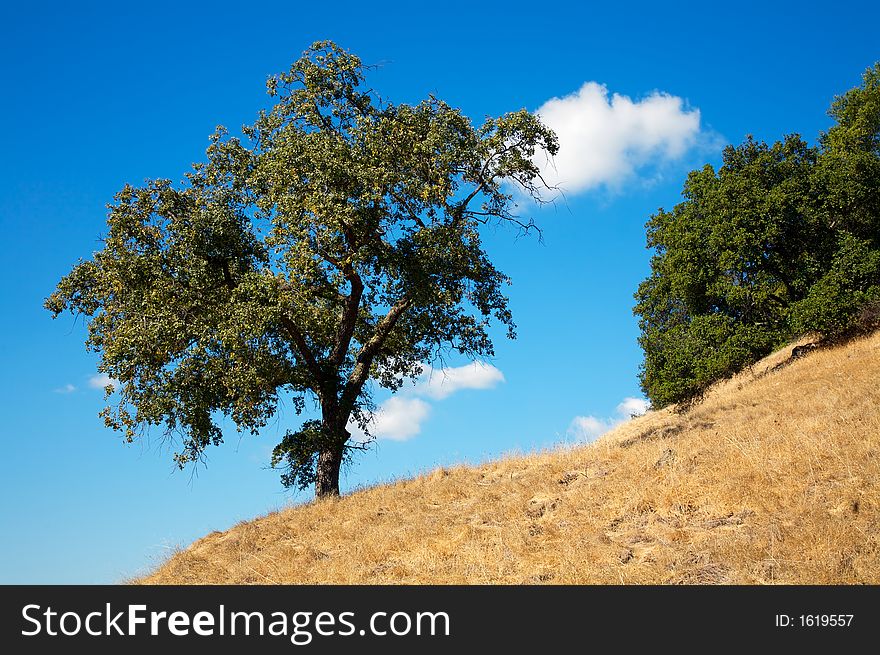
(836, 301)
(781, 240)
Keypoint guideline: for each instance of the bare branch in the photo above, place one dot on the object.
(369, 350)
(302, 347)
(349, 317)
(526, 227)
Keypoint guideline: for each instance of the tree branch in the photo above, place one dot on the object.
(525, 227)
(461, 208)
(302, 349)
(361, 371)
(409, 209)
(349, 317)
(227, 275)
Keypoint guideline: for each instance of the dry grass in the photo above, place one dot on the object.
(773, 478)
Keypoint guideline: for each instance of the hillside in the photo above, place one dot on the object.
(773, 478)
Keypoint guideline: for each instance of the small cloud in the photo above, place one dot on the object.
(589, 428)
(605, 139)
(101, 381)
(67, 388)
(401, 417)
(397, 418)
(441, 383)
(631, 407)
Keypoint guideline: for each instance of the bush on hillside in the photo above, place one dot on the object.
(781, 240)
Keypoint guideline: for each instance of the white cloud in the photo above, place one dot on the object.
(101, 381)
(397, 419)
(401, 417)
(589, 428)
(633, 407)
(606, 139)
(441, 383)
(67, 388)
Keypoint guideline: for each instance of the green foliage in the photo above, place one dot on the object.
(781, 240)
(835, 302)
(682, 360)
(298, 453)
(340, 241)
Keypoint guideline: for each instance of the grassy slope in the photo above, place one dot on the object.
(772, 479)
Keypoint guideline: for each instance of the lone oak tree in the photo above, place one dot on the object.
(339, 242)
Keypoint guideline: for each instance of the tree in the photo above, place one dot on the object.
(781, 240)
(727, 261)
(338, 242)
(847, 292)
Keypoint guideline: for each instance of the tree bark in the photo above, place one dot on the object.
(327, 473)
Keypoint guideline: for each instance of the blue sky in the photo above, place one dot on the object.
(97, 95)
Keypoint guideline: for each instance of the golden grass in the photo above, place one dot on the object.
(773, 478)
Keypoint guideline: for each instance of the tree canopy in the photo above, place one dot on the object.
(338, 241)
(781, 240)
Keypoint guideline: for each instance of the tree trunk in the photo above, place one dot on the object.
(327, 473)
(330, 457)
